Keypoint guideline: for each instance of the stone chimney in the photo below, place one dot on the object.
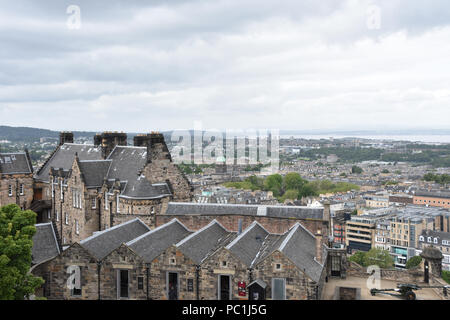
(65, 137)
(141, 140)
(157, 148)
(108, 140)
(319, 247)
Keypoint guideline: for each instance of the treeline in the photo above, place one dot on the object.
(292, 186)
(438, 178)
(357, 154)
(194, 168)
(437, 156)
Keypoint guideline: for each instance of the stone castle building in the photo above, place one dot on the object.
(16, 179)
(84, 188)
(172, 262)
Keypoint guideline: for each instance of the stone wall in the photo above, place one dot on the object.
(298, 286)
(15, 180)
(214, 266)
(122, 258)
(56, 276)
(173, 260)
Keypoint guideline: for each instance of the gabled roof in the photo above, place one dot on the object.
(127, 162)
(14, 163)
(94, 171)
(102, 243)
(199, 245)
(45, 245)
(64, 155)
(300, 247)
(247, 245)
(153, 243)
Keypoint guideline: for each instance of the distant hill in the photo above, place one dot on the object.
(27, 134)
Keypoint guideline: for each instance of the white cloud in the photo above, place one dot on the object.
(230, 64)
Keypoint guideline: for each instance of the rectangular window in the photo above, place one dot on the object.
(94, 203)
(57, 215)
(21, 189)
(77, 228)
(122, 283)
(278, 289)
(66, 218)
(140, 283)
(190, 285)
(10, 190)
(117, 203)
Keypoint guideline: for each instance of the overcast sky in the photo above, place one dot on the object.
(230, 64)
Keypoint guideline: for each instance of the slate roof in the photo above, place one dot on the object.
(188, 208)
(94, 171)
(124, 163)
(201, 244)
(434, 194)
(247, 245)
(300, 247)
(45, 245)
(64, 155)
(102, 243)
(153, 243)
(127, 162)
(15, 163)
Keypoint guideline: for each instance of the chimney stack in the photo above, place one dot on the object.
(319, 249)
(141, 140)
(65, 137)
(108, 141)
(156, 147)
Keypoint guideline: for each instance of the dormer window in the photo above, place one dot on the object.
(278, 267)
(421, 238)
(435, 240)
(429, 239)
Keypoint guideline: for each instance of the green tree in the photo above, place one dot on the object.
(378, 257)
(356, 169)
(413, 262)
(358, 257)
(16, 232)
(293, 181)
(290, 194)
(274, 183)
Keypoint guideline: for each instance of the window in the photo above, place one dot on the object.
(277, 266)
(421, 238)
(106, 200)
(435, 240)
(190, 285)
(172, 261)
(140, 283)
(278, 289)
(429, 239)
(10, 190)
(94, 203)
(57, 215)
(49, 215)
(77, 227)
(21, 189)
(117, 203)
(66, 218)
(224, 264)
